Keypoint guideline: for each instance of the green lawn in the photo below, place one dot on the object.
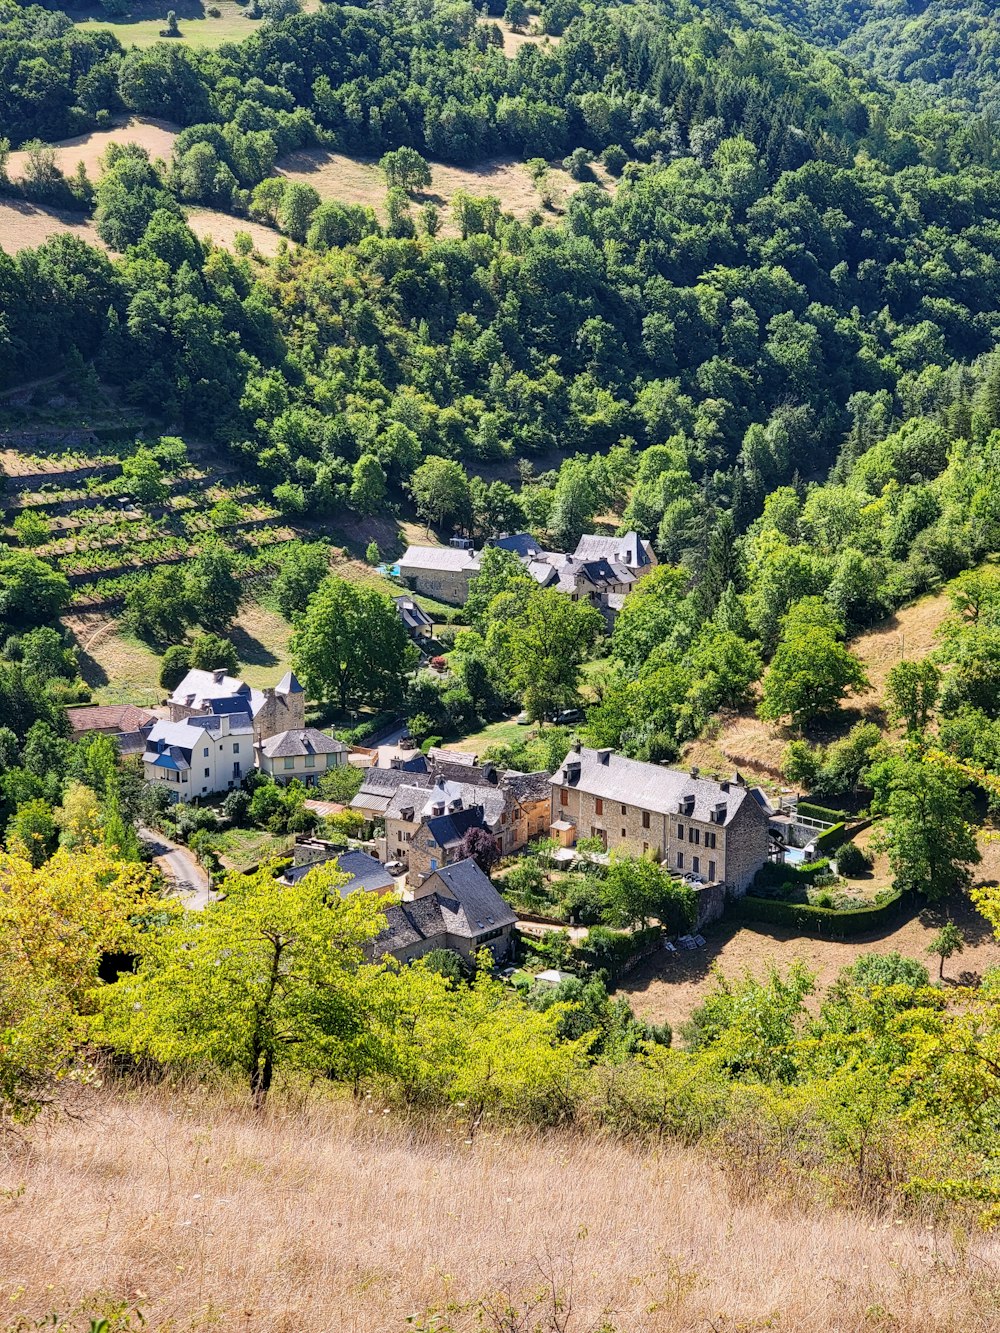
(495, 733)
(203, 33)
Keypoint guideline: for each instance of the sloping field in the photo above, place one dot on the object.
(25, 226)
(156, 136)
(198, 28)
(353, 180)
(746, 742)
(306, 1220)
(209, 223)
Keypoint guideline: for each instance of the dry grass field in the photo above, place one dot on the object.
(25, 226)
(330, 1217)
(156, 136)
(210, 224)
(513, 41)
(354, 180)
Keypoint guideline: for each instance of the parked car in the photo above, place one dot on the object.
(569, 717)
(522, 719)
(394, 867)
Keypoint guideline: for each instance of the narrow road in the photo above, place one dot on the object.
(190, 881)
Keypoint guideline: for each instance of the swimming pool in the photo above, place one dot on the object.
(795, 856)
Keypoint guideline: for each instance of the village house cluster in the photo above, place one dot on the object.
(602, 570)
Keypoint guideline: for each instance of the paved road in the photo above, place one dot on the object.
(191, 883)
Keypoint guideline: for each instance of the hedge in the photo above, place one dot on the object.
(823, 921)
(811, 811)
(832, 837)
(613, 950)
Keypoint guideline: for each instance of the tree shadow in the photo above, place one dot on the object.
(250, 650)
(91, 671)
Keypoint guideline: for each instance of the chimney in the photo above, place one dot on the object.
(724, 785)
(694, 770)
(437, 808)
(738, 780)
(576, 747)
(456, 804)
(219, 674)
(603, 756)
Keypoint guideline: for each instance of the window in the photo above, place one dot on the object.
(645, 819)
(696, 865)
(711, 871)
(563, 797)
(310, 761)
(694, 835)
(598, 807)
(680, 860)
(645, 848)
(236, 747)
(624, 809)
(208, 772)
(680, 832)
(205, 752)
(290, 763)
(623, 833)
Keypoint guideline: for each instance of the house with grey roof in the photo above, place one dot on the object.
(271, 710)
(367, 875)
(457, 908)
(301, 752)
(629, 550)
(417, 623)
(201, 755)
(716, 831)
(441, 572)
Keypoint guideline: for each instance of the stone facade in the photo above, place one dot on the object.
(643, 810)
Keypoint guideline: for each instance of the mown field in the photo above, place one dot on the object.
(143, 25)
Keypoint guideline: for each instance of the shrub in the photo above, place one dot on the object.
(822, 921)
(852, 861)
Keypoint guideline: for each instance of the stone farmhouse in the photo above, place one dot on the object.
(693, 825)
(601, 569)
(457, 908)
(127, 725)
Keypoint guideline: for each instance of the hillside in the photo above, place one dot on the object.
(334, 1217)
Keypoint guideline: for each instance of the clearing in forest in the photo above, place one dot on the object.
(341, 179)
(513, 41)
(25, 226)
(146, 19)
(156, 136)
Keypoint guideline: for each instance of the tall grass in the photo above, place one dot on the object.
(329, 1218)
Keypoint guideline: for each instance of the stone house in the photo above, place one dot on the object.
(416, 621)
(441, 572)
(127, 725)
(629, 550)
(457, 908)
(690, 824)
(272, 710)
(367, 874)
(200, 755)
(303, 753)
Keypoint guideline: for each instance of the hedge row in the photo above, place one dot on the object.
(613, 950)
(811, 811)
(826, 922)
(832, 838)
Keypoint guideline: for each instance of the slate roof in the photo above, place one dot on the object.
(380, 786)
(527, 786)
(413, 616)
(367, 874)
(650, 787)
(466, 907)
(600, 573)
(199, 688)
(288, 684)
(629, 549)
(104, 717)
(450, 558)
(180, 738)
(521, 543)
(449, 829)
(300, 741)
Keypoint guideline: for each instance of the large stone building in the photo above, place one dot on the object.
(200, 693)
(441, 572)
(694, 825)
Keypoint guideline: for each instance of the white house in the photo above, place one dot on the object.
(201, 755)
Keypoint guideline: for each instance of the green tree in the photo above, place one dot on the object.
(296, 208)
(158, 607)
(208, 652)
(367, 485)
(303, 568)
(912, 690)
(516, 15)
(142, 477)
(31, 591)
(946, 942)
(637, 889)
(33, 832)
(542, 650)
(441, 490)
(175, 665)
(350, 645)
(258, 983)
(811, 671)
(927, 833)
(405, 169)
(500, 571)
(573, 505)
(213, 587)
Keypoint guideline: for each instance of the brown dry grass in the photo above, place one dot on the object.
(328, 1218)
(513, 41)
(222, 229)
(156, 136)
(25, 226)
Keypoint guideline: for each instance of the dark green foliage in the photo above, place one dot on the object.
(852, 861)
(826, 922)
